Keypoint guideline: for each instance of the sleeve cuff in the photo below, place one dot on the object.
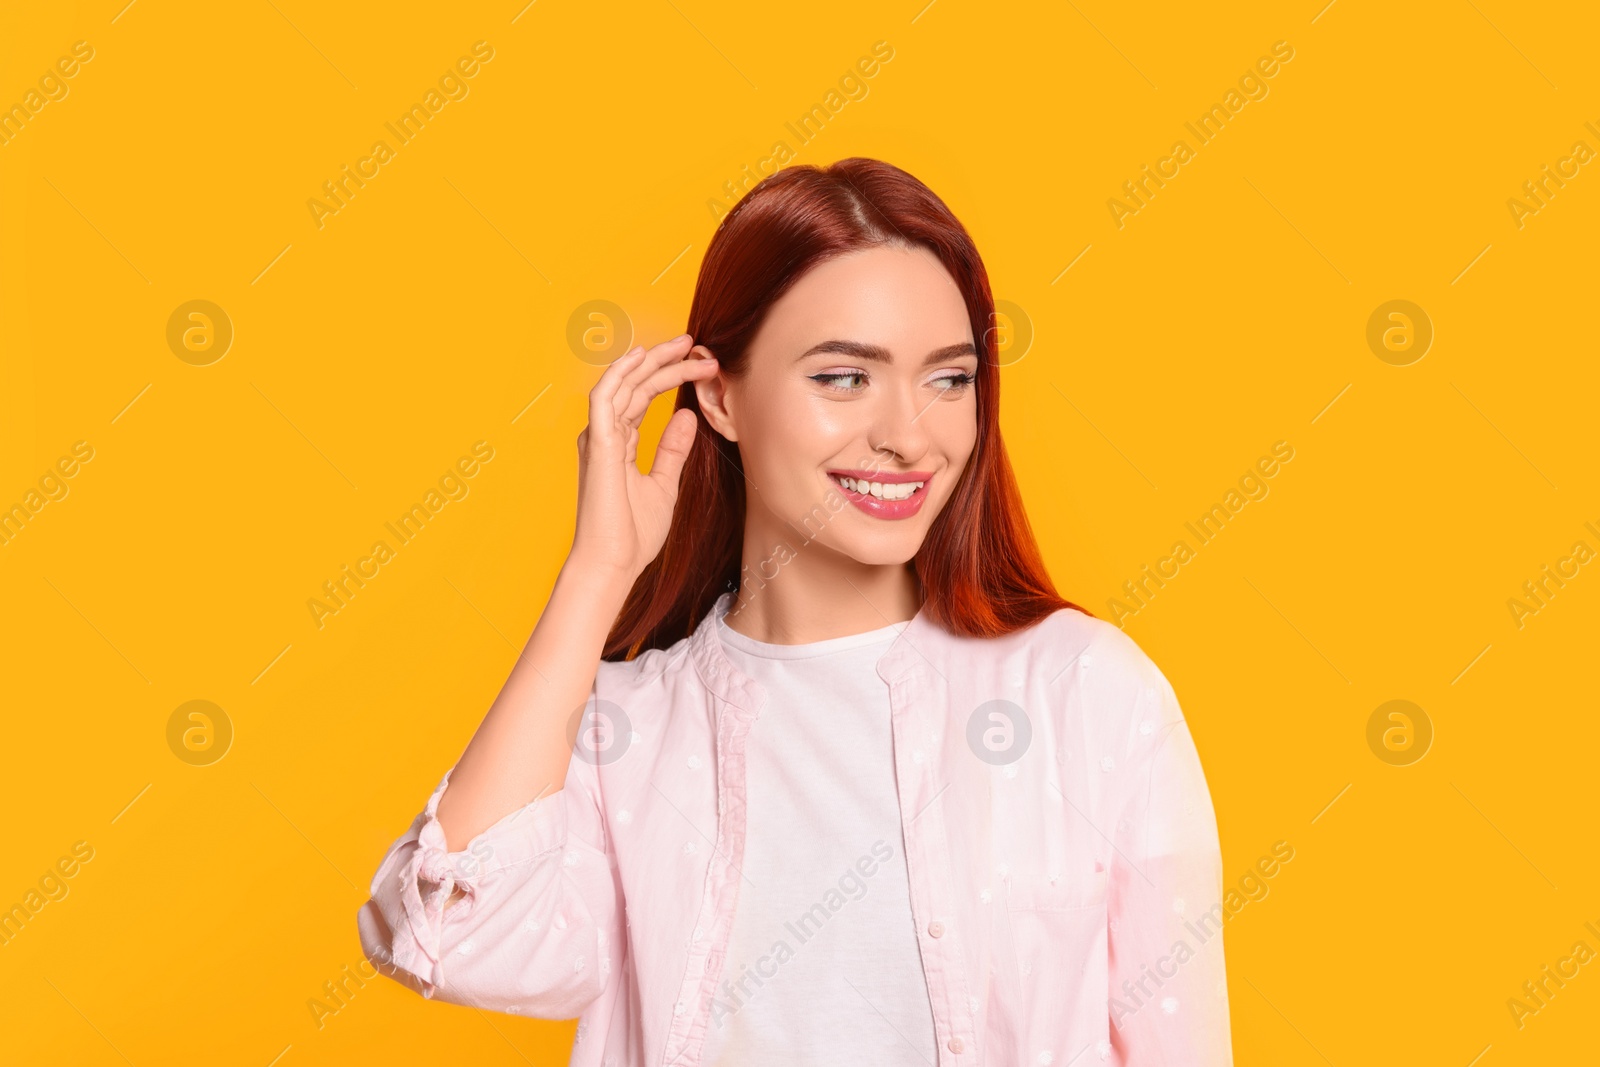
(430, 874)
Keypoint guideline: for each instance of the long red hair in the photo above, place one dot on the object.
(979, 567)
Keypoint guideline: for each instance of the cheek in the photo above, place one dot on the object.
(786, 447)
(805, 428)
(955, 436)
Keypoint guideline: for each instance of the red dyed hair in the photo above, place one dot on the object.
(979, 567)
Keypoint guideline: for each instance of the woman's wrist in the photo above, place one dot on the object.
(597, 575)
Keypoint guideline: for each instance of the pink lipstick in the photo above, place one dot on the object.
(900, 493)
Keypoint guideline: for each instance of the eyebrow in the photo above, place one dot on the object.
(879, 354)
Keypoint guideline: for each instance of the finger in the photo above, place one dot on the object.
(602, 398)
(612, 377)
(669, 377)
(658, 356)
(673, 449)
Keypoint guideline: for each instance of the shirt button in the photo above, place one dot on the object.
(936, 929)
(956, 1045)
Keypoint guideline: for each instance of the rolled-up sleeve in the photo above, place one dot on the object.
(1168, 995)
(536, 926)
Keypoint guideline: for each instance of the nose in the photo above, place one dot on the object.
(898, 425)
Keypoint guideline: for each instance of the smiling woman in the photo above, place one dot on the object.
(687, 750)
(886, 385)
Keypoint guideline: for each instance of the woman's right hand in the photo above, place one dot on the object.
(623, 515)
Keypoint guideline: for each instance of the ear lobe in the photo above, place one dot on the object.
(712, 395)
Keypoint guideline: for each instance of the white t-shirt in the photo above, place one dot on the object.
(823, 965)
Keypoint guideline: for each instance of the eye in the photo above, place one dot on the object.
(952, 384)
(827, 379)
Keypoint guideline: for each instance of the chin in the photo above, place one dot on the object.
(882, 550)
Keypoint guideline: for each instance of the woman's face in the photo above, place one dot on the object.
(862, 372)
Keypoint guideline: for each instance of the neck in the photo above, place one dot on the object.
(790, 597)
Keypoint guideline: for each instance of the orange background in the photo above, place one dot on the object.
(431, 312)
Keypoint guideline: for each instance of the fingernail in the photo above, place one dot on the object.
(681, 337)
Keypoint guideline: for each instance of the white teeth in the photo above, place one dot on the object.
(882, 490)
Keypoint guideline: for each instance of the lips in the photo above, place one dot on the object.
(892, 481)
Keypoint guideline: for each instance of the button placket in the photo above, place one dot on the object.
(687, 1032)
(944, 962)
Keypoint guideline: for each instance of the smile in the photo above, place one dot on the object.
(884, 495)
(882, 490)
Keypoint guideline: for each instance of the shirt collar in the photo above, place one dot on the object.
(716, 670)
(911, 651)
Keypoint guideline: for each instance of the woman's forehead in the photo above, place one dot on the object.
(899, 298)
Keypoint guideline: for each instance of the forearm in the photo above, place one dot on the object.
(521, 750)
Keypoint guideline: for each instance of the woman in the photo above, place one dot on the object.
(806, 761)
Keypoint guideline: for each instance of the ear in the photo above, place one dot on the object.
(716, 405)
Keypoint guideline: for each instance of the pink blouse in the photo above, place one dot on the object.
(1062, 849)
